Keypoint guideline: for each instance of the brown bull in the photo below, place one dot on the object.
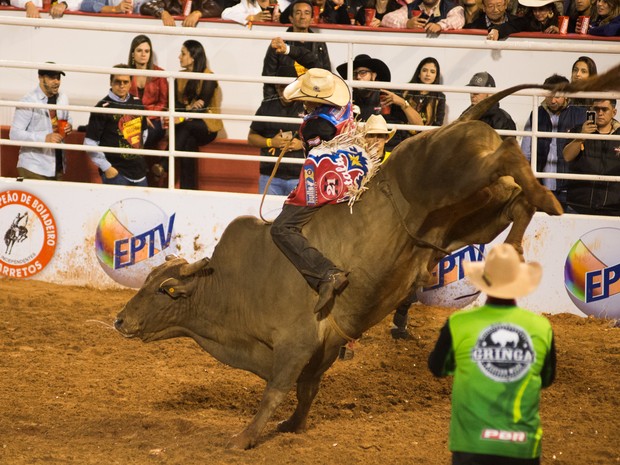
(250, 308)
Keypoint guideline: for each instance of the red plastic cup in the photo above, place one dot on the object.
(316, 14)
(583, 22)
(62, 127)
(369, 16)
(386, 108)
(415, 13)
(563, 24)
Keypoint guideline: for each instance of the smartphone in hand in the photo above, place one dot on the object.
(591, 116)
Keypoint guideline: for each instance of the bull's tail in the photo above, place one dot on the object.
(608, 81)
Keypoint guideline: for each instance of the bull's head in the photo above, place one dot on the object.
(159, 309)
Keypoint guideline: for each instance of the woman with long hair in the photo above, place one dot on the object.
(430, 105)
(606, 20)
(152, 91)
(195, 96)
(583, 68)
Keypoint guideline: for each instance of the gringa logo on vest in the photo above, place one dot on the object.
(504, 352)
(592, 273)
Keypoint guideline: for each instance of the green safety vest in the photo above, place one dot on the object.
(497, 357)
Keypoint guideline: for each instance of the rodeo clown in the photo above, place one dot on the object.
(336, 165)
(501, 356)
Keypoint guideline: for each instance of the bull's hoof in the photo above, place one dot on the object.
(240, 442)
(290, 426)
(550, 205)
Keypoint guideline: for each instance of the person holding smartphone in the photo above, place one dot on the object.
(595, 156)
(433, 16)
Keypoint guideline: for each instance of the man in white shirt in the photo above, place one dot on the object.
(42, 125)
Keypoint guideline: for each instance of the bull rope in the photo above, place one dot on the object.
(385, 188)
(283, 150)
(338, 329)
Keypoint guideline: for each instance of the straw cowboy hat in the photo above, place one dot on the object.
(319, 85)
(535, 3)
(503, 275)
(376, 125)
(364, 61)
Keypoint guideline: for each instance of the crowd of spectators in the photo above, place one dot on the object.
(500, 18)
(293, 58)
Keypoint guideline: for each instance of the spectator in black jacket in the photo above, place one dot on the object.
(495, 117)
(293, 58)
(497, 21)
(590, 156)
(330, 12)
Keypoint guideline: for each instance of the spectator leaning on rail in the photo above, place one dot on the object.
(41, 125)
(294, 58)
(381, 7)
(247, 12)
(167, 9)
(109, 6)
(554, 115)
(372, 101)
(577, 8)
(602, 157)
(495, 116)
(57, 9)
(606, 20)
(433, 16)
(501, 356)
(272, 137)
(120, 131)
(498, 23)
(330, 12)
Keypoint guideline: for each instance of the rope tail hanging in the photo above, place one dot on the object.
(283, 150)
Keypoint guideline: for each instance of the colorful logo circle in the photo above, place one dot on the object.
(449, 287)
(592, 273)
(30, 234)
(133, 236)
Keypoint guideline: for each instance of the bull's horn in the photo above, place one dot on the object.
(171, 257)
(191, 268)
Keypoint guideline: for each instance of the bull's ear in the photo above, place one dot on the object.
(190, 269)
(173, 288)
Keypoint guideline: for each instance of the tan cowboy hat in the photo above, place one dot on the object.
(319, 85)
(376, 124)
(503, 274)
(535, 3)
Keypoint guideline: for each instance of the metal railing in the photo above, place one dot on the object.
(358, 38)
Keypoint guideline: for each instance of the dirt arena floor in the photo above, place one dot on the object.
(72, 391)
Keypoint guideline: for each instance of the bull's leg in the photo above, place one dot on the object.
(306, 392)
(307, 388)
(520, 211)
(287, 366)
(511, 162)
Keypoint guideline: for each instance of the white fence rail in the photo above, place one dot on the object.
(609, 50)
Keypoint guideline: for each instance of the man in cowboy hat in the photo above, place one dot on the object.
(501, 356)
(327, 101)
(394, 108)
(378, 134)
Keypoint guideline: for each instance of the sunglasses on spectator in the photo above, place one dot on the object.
(361, 72)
